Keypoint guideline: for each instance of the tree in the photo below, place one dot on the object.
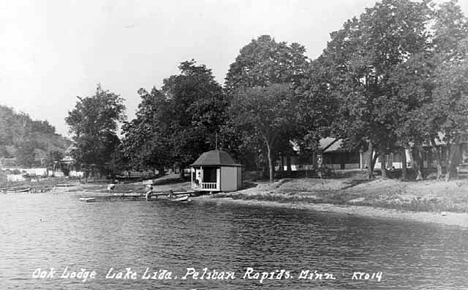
(449, 29)
(317, 108)
(43, 127)
(15, 128)
(360, 59)
(417, 83)
(6, 124)
(53, 159)
(414, 83)
(414, 118)
(450, 42)
(176, 124)
(197, 107)
(265, 112)
(451, 98)
(265, 63)
(94, 123)
(25, 153)
(146, 142)
(4, 152)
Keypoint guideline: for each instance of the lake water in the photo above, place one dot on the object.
(237, 244)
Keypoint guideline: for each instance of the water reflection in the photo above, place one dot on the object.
(45, 230)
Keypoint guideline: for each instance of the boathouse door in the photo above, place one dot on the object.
(211, 178)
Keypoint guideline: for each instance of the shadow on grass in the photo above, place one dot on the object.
(248, 184)
(174, 180)
(353, 183)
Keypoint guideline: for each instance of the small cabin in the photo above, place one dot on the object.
(214, 171)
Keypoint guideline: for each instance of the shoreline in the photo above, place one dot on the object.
(444, 218)
(429, 201)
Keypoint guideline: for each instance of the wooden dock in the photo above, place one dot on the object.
(65, 185)
(161, 195)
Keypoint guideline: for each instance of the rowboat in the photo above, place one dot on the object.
(179, 199)
(24, 190)
(87, 199)
(64, 185)
(17, 190)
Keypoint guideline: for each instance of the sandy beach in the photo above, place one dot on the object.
(431, 201)
(444, 218)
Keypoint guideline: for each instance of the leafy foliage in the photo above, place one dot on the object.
(269, 65)
(144, 142)
(264, 62)
(26, 139)
(176, 124)
(361, 60)
(94, 123)
(53, 158)
(266, 112)
(25, 153)
(392, 78)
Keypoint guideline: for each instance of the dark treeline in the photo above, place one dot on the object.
(394, 78)
(30, 142)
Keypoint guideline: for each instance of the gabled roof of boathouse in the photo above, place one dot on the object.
(215, 158)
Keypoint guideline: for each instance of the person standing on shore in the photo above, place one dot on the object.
(149, 193)
(111, 187)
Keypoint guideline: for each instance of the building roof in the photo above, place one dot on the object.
(215, 158)
(335, 146)
(70, 149)
(68, 159)
(324, 143)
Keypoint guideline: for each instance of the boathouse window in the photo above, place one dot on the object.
(209, 174)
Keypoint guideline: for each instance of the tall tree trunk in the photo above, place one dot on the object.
(437, 158)
(288, 163)
(415, 164)
(270, 161)
(281, 167)
(454, 151)
(404, 169)
(370, 167)
(383, 165)
(420, 162)
(161, 171)
(374, 160)
(181, 173)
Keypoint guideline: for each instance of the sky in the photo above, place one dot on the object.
(52, 51)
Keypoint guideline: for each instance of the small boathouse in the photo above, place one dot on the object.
(214, 171)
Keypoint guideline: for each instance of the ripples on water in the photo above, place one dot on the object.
(45, 230)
